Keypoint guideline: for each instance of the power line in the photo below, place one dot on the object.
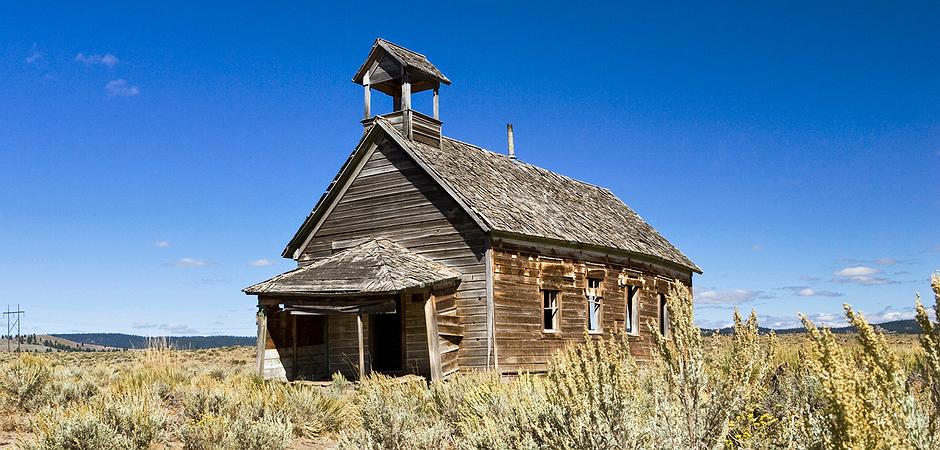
(9, 313)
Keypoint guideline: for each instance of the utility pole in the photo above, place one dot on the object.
(9, 313)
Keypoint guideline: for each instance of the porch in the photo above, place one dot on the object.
(373, 307)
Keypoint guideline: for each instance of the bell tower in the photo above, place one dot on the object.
(399, 73)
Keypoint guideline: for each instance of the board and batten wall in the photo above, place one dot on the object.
(522, 271)
(393, 197)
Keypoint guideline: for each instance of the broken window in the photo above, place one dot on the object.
(594, 304)
(550, 310)
(631, 319)
(663, 316)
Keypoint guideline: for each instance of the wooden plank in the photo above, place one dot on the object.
(362, 353)
(434, 351)
(262, 340)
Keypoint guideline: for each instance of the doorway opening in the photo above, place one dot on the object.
(386, 341)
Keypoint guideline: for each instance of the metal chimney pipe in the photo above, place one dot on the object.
(512, 147)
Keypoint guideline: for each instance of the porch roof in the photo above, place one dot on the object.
(377, 266)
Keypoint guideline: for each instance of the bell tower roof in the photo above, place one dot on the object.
(388, 62)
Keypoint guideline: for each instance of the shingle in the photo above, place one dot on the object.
(375, 266)
(517, 197)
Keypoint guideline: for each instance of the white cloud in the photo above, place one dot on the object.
(261, 263)
(121, 88)
(187, 263)
(163, 328)
(863, 275)
(806, 291)
(106, 59)
(732, 297)
(857, 271)
(161, 244)
(886, 261)
(757, 247)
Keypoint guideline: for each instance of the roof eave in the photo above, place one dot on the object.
(584, 246)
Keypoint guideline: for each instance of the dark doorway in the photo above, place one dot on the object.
(386, 345)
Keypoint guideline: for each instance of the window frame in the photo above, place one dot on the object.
(592, 301)
(556, 319)
(632, 311)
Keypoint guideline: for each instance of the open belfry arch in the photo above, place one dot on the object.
(430, 256)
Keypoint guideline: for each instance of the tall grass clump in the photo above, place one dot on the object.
(700, 387)
(866, 399)
(396, 414)
(488, 413)
(595, 399)
(930, 342)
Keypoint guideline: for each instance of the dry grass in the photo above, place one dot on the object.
(816, 390)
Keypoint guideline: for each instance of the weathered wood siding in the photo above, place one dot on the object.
(392, 197)
(416, 338)
(343, 343)
(523, 271)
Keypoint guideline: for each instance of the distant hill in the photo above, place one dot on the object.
(909, 326)
(131, 341)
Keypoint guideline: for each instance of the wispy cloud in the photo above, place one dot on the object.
(732, 297)
(106, 59)
(34, 55)
(161, 244)
(121, 88)
(806, 291)
(757, 247)
(886, 261)
(863, 275)
(189, 263)
(164, 328)
(261, 263)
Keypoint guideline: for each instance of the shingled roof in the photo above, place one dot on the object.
(519, 198)
(374, 267)
(404, 56)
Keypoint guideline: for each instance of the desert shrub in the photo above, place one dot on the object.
(867, 402)
(699, 388)
(930, 342)
(209, 432)
(71, 387)
(138, 418)
(25, 383)
(396, 415)
(494, 415)
(594, 398)
(271, 431)
(78, 428)
(314, 413)
(202, 398)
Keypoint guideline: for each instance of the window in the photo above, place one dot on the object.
(663, 316)
(550, 311)
(632, 317)
(594, 305)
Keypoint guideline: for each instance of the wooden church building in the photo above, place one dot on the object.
(428, 255)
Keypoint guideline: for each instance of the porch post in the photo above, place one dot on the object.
(362, 354)
(262, 320)
(434, 346)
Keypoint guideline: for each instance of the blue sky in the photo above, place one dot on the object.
(155, 160)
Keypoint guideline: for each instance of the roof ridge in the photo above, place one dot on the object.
(399, 46)
(528, 164)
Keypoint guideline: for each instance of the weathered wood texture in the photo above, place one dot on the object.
(295, 347)
(392, 197)
(522, 272)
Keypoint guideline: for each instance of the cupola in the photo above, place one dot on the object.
(398, 72)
